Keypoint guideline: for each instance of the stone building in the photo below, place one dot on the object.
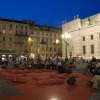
(21, 38)
(46, 41)
(85, 37)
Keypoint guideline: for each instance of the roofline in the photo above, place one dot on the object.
(26, 22)
(15, 21)
(46, 26)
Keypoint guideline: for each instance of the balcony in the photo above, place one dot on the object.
(18, 42)
(43, 42)
(22, 35)
(7, 51)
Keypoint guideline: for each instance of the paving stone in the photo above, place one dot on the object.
(7, 89)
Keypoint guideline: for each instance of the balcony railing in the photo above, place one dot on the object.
(24, 35)
(7, 51)
(18, 42)
(43, 42)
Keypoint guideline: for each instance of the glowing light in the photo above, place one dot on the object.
(57, 41)
(32, 55)
(62, 36)
(3, 31)
(66, 36)
(22, 56)
(10, 55)
(53, 98)
(3, 59)
(3, 55)
(30, 40)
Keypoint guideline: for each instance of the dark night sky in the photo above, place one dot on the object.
(51, 12)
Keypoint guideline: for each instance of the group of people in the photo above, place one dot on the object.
(61, 65)
(58, 64)
(94, 68)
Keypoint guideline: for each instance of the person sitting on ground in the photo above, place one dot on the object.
(94, 82)
(96, 71)
(90, 67)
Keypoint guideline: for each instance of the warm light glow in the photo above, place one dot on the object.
(10, 32)
(32, 55)
(30, 40)
(62, 36)
(66, 35)
(10, 55)
(22, 56)
(57, 41)
(3, 59)
(38, 50)
(4, 31)
(3, 55)
(53, 98)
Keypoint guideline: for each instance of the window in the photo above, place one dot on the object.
(10, 46)
(25, 27)
(46, 40)
(55, 49)
(92, 49)
(4, 26)
(70, 54)
(38, 33)
(84, 50)
(43, 40)
(3, 31)
(42, 34)
(21, 32)
(91, 37)
(16, 32)
(50, 49)
(51, 40)
(31, 32)
(10, 26)
(34, 33)
(47, 48)
(10, 31)
(10, 39)
(3, 38)
(54, 35)
(16, 26)
(21, 27)
(25, 33)
(46, 34)
(83, 38)
(3, 46)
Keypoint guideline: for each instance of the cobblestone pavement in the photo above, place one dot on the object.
(95, 95)
(7, 89)
(82, 69)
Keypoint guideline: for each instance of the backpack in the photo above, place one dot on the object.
(71, 81)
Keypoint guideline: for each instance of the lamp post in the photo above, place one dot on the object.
(66, 37)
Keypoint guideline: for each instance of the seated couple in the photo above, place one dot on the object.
(95, 82)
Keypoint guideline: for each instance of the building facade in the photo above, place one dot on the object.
(45, 41)
(21, 38)
(85, 37)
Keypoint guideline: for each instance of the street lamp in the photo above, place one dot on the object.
(66, 37)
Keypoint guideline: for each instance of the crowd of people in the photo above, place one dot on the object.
(61, 65)
(94, 68)
(38, 63)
